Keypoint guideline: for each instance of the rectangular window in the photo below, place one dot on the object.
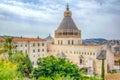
(58, 41)
(42, 44)
(33, 44)
(16, 46)
(25, 45)
(72, 42)
(61, 42)
(68, 42)
(33, 51)
(21, 45)
(90, 53)
(42, 50)
(33, 55)
(38, 50)
(80, 61)
(38, 44)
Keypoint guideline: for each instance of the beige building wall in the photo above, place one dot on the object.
(68, 41)
(87, 53)
(35, 49)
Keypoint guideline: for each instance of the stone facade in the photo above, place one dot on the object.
(84, 56)
(68, 44)
(34, 47)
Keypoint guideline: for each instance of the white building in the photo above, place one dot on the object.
(35, 47)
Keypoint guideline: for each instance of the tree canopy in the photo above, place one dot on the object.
(23, 62)
(52, 66)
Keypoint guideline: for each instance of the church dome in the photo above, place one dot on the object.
(67, 28)
(49, 38)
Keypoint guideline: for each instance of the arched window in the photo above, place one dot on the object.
(80, 61)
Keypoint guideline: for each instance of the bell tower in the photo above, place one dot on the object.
(67, 33)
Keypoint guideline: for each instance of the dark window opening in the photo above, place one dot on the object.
(80, 61)
(33, 44)
(72, 42)
(69, 42)
(33, 51)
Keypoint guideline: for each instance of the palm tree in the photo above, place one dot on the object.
(8, 46)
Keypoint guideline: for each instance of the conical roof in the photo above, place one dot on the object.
(67, 24)
(49, 37)
(67, 28)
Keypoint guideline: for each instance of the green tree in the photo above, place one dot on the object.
(112, 71)
(8, 70)
(103, 70)
(8, 45)
(51, 66)
(24, 63)
(57, 77)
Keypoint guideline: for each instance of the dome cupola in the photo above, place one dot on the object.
(67, 28)
(67, 33)
(67, 12)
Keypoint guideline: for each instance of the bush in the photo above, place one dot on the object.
(23, 62)
(112, 71)
(51, 66)
(8, 71)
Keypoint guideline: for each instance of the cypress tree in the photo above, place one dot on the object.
(103, 70)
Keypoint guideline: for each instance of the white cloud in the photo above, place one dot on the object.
(31, 11)
(23, 12)
(91, 17)
(88, 4)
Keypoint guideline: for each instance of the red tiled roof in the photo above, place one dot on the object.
(2, 39)
(24, 39)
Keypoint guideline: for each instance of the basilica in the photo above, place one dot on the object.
(67, 43)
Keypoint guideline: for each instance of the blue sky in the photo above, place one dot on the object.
(32, 18)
